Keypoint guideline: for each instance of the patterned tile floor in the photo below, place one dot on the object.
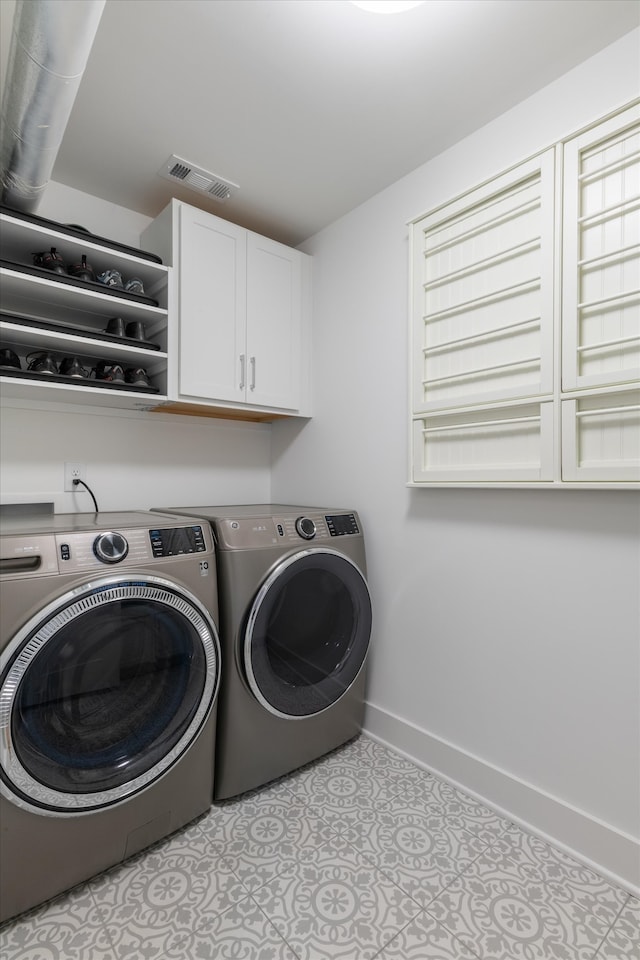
(356, 856)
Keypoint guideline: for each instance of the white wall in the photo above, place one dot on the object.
(506, 622)
(133, 460)
(107, 220)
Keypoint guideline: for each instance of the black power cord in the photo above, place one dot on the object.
(95, 502)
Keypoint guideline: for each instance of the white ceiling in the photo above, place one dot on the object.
(311, 106)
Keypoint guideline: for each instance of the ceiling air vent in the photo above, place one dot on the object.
(181, 171)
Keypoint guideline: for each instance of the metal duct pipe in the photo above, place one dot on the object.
(50, 46)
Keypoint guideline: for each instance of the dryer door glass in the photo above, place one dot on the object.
(106, 693)
(308, 633)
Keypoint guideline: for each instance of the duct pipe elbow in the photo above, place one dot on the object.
(50, 46)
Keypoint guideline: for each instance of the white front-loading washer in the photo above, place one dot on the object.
(109, 674)
(295, 627)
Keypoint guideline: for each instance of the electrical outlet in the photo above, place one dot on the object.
(73, 471)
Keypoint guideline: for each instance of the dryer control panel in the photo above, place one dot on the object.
(250, 533)
(342, 524)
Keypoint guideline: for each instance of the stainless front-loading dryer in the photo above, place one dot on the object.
(109, 673)
(295, 625)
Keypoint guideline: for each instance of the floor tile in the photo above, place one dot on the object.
(261, 838)
(551, 862)
(66, 928)
(416, 848)
(152, 903)
(242, 932)
(336, 905)
(508, 908)
(460, 810)
(425, 939)
(393, 765)
(350, 783)
(623, 940)
(590, 903)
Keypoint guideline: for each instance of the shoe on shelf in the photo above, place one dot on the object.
(116, 327)
(111, 372)
(111, 278)
(41, 362)
(134, 285)
(135, 330)
(82, 271)
(9, 358)
(71, 367)
(137, 376)
(50, 260)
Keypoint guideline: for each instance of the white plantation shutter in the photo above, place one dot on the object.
(601, 269)
(483, 330)
(525, 347)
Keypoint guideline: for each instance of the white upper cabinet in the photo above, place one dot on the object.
(525, 345)
(242, 331)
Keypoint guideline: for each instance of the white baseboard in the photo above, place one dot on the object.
(608, 851)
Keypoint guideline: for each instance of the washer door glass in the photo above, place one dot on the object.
(105, 692)
(308, 633)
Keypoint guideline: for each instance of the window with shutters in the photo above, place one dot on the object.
(525, 345)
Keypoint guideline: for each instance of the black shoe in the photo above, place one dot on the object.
(9, 358)
(116, 327)
(41, 363)
(71, 367)
(50, 260)
(135, 330)
(82, 271)
(111, 372)
(137, 376)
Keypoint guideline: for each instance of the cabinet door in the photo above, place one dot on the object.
(601, 437)
(483, 293)
(601, 270)
(212, 363)
(274, 309)
(483, 329)
(492, 444)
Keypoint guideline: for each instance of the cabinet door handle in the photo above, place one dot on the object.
(242, 370)
(252, 361)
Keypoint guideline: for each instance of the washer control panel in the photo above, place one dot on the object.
(178, 540)
(85, 550)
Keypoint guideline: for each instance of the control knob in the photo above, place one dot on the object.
(110, 547)
(306, 528)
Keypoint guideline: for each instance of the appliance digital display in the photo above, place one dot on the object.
(342, 524)
(176, 541)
